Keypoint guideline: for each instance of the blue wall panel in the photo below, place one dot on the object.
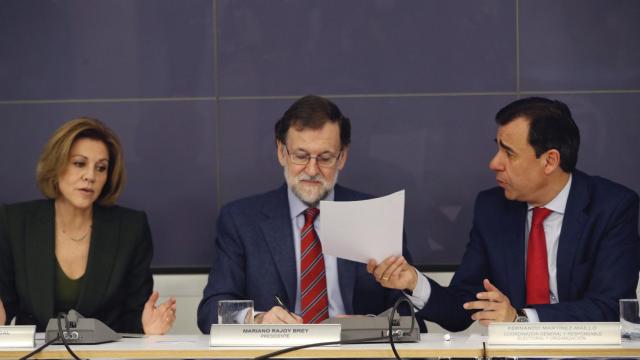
(77, 49)
(361, 46)
(579, 44)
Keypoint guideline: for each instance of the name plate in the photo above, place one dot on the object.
(272, 335)
(555, 333)
(17, 336)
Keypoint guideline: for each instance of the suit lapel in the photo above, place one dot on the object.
(347, 282)
(102, 255)
(276, 228)
(572, 227)
(513, 245)
(40, 258)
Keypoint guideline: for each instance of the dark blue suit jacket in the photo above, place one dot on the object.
(254, 259)
(597, 263)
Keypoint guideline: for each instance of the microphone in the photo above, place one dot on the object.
(77, 329)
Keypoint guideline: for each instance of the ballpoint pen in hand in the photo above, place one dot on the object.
(281, 304)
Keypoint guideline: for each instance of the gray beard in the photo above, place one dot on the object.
(294, 185)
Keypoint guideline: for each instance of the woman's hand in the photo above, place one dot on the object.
(157, 320)
(3, 314)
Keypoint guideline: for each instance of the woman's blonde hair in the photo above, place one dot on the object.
(55, 157)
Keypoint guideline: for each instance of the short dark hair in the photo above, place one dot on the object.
(551, 126)
(313, 112)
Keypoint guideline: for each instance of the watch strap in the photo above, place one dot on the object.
(521, 316)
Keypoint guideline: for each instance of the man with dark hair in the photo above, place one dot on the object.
(551, 243)
(268, 246)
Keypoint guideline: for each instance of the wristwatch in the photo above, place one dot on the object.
(521, 316)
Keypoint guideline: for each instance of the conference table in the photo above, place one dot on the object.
(430, 346)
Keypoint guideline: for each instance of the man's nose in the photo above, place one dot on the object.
(312, 167)
(496, 164)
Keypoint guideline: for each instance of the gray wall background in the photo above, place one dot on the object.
(194, 87)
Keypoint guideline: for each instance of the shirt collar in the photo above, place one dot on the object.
(296, 206)
(559, 203)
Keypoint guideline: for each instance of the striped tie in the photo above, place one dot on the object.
(313, 282)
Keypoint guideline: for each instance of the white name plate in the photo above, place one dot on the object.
(555, 333)
(272, 335)
(17, 336)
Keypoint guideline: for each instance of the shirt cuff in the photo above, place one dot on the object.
(532, 315)
(421, 293)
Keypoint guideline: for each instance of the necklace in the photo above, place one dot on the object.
(78, 239)
(74, 239)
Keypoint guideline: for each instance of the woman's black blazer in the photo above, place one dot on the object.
(117, 281)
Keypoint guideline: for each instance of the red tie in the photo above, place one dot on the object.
(314, 302)
(537, 269)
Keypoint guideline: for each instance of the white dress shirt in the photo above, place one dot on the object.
(552, 227)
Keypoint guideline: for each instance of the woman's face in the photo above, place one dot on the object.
(82, 180)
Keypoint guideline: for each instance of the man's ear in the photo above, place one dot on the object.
(281, 153)
(551, 161)
(343, 157)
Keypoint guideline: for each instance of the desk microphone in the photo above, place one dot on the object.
(77, 330)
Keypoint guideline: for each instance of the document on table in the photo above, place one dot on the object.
(362, 230)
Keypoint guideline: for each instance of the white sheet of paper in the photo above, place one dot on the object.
(363, 230)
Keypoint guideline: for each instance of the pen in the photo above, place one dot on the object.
(281, 304)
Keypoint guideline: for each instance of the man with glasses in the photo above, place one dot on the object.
(267, 247)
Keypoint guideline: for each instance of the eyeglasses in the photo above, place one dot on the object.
(303, 158)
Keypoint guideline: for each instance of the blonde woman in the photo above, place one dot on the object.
(76, 249)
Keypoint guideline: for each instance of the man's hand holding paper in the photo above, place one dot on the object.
(370, 231)
(394, 272)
